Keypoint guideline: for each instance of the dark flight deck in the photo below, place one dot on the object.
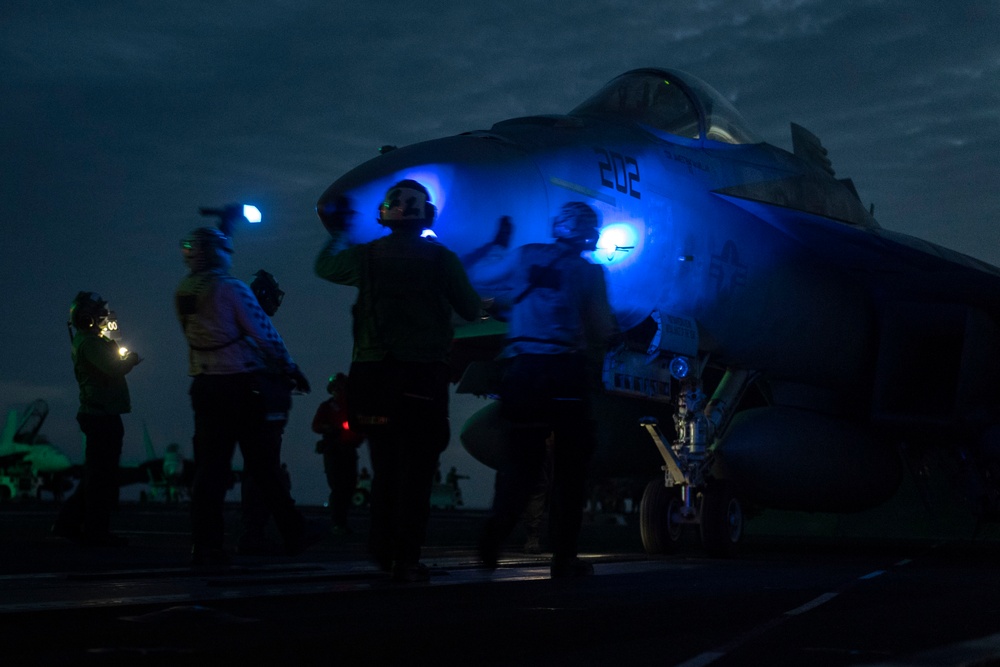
(786, 600)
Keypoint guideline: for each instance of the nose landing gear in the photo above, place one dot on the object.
(687, 494)
(716, 510)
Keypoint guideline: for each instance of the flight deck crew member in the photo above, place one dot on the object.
(339, 447)
(253, 540)
(408, 288)
(559, 317)
(235, 353)
(100, 369)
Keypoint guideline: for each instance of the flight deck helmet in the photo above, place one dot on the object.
(88, 311)
(577, 224)
(206, 248)
(336, 384)
(405, 203)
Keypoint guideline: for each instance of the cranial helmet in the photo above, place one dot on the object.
(336, 382)
(268, 294)
(407, 202)
(206, 248)
(88, 311)
(577, 224)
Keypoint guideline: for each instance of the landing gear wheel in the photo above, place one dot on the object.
(722, 519)
(660, 517)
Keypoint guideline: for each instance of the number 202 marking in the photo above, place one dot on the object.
(619, 172)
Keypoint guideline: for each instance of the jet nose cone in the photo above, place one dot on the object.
(472, 182)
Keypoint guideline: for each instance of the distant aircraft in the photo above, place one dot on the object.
(168, 478)
(29, 464)
(801, 356)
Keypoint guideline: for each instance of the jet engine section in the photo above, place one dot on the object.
(791, 459)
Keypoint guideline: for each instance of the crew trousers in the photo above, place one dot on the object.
(340, 465)
(88, 510)
(544, 396)
(405, 409)
(228, 411)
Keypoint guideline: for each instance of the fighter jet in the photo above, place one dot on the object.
(168, 478)
(28, 463)
(783, 350)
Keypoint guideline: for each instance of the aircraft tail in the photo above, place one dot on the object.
(31, 422)
(148, 443)
(9, 429)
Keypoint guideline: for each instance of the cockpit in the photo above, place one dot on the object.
(670, 102)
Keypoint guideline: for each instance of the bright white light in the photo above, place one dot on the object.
(123, 352)
(251, 213)
(617, 242)
(428, 233)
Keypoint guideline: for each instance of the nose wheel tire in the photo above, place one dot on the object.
(722, 520)
(660, 517)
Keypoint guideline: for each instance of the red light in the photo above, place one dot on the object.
(346, 426)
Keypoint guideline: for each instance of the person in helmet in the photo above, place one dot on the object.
(253, 539)
(100, 368)
(560, 323)
(339, 447)
(240, 373)
(408, 288)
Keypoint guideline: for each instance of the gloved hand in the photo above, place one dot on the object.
(498, 309)
(337, 218)
(132, 358)
(335, 224)
(301, 384)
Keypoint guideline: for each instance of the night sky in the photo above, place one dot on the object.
(119, 119)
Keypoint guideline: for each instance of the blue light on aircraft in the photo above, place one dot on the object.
(616, 244)
(251, 213)
(679, 367)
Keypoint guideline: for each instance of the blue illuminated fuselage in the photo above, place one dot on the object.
(669, 241)
(858, 337)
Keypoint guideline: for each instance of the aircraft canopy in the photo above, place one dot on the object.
(673, 102)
